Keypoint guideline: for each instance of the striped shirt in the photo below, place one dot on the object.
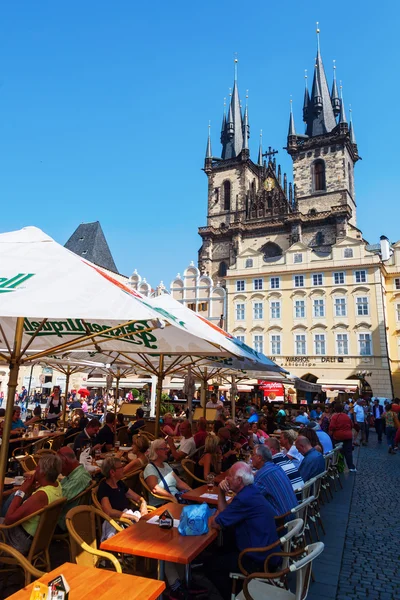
(290, 469)
(276, 487)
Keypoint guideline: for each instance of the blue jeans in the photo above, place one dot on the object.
(390, 435)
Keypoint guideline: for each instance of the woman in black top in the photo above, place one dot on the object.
(114, 495)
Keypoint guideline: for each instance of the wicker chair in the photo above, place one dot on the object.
(123, 435)
(28, 463)
(188, 466)
(84, 497)
(81, 525)
(257, 586)
(19, 559)
(38, 554)
(57, 442)
(149, 435)
(284, 545)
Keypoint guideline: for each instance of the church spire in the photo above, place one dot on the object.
(342, 115)
(260, 152)
(306, 102)
(320, 116)
(246, 126)
(335, 100)
(292, 129)
(351, 129)
(208, 150)
(233, 142)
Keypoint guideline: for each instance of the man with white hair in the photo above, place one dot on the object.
(250, 518)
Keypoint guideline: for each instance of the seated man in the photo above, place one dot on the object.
(313, 462)
(228, 449)
(87, 438)
(76, 479)
(27, 500)
(302, 417)
(253, 416)
(215, 403)
(106, 435)
(139, 422)
(272, 481)
(17, 425)
(251, 521)
(200, 436)
(285, 463)
(187, 446)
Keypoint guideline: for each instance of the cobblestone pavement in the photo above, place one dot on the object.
(361, 556)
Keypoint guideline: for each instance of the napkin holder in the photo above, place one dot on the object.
(166, 520)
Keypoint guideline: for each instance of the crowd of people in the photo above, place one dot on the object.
(265, 458)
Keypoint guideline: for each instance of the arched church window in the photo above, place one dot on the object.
(227, 195)
(222, 269)
(320, 238)
(271, 250)
(319, 176)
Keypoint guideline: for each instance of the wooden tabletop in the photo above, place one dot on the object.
(221, 476)
(87, 583)
(144, 539)
(195, 495)
(30, 440)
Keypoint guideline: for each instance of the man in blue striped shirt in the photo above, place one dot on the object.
(285, 463)
(272, 481)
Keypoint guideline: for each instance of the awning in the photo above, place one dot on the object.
(306, 386)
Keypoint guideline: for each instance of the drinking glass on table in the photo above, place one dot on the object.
(116, 446)
(97, 454)
(210, 481)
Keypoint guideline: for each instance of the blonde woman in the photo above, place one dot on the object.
(159, 476)
(140, 445)
(211, 460)
(287, 442)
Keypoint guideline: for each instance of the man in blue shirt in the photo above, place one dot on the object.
(272, 481)
(253, 418)
(316, 413)
(250, 517)
(313, 462)
(302, 417)
(17, 423)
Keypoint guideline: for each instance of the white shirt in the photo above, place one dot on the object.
(188, 446)
(212, 404)
(359, 413)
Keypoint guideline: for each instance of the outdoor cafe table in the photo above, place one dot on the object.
(150, 541)
(30, 439)
(87, 583)
(195, 495)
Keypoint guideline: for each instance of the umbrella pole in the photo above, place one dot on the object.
(203, 391)
(160, 377)
(117, 378)
(67, 376)
(12, 386)
(233, 399)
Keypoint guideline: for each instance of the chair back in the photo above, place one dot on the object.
(81, 525)
(57, 442)
(149, 435)
(318, 482)
(303, 569)
(147, 493)
(132, 481)
(28, 463)
(188, 465)
(295, 529)
(10, 556)
(48, 518)
(336, 451)
(123, 436)
(328, 457)
(307, 489)
(301, 511)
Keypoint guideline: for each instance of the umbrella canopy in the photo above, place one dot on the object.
(83, 392)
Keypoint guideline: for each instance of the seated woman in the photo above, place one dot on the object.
(211, 460)
(159, 476)
(287, 441)
(263, 428)
(114, 495)
(168, 426)
(140, 445)
(256, 434)
(36, 492)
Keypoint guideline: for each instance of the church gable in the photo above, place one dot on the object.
(269, 200)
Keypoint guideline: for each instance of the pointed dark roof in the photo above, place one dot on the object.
(335, 100)
(232, 141)
(320, 118)
(208, 149)
(246, 129)
(292, 129)
(89, 242)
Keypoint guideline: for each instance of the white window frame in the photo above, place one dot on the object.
(319, 344)
(362, 305)
(298, 304)
(296, 278)
(297, 258)
(275, 307)
(240, 285)
(248, 263)
(258, 344)
(338, 274)
(340, 301)
(359, 278)
(339, 349)
(397, 283)
(272, 286)
(242, 311)
(258, 310)
(241, 338)
(365, 336)
(349, 251)
(256, 283)
(319, 276)
(321, 302)
(275, 344)
(298, 341)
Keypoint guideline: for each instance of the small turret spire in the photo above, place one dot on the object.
(317, 32)
(292, 129)
(334, 93)
(246, 126)
(208, 151)
(233, 140)
(351, 128)
(260, 151)
(342, 116)
(306, 98)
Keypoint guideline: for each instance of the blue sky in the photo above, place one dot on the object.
(104, 108)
